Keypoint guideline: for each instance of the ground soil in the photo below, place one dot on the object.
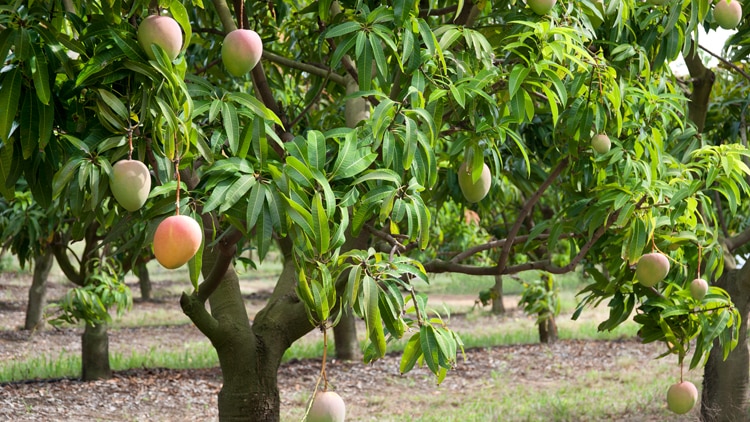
(149, 394)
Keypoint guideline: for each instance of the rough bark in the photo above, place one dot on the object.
(38, 290)
(95, 353)
(498, 307)
(725, 382)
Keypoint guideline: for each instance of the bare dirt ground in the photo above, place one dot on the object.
(190, 395)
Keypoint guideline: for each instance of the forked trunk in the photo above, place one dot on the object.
(95, 353)
(38, 290)
(725, 382)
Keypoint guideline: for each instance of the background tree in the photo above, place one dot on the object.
(269, 157)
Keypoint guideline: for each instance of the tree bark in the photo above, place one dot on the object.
(95, 353)
(498, 307)
(548, 330)
(38, 290)
(144, 280)
(725, 382)
(345, 337)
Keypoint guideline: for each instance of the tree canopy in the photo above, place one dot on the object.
(343, 147)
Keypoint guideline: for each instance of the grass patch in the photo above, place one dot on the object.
(68, 364)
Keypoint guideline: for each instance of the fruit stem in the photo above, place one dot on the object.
(325, 352)
(700, 254)
(179, 183)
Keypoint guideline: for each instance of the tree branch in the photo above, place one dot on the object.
(501, 242)
(227, 247)
(304, 67)
(726, 62)
(527, 207)
(703, 79)
(194, 308)
(739, 240)
(60, 249)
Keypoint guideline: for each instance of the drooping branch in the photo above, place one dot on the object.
(527, 208)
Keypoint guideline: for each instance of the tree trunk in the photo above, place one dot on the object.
(496, 293)
(345, 337)
(144, 280)
(249, 356)
(548, 330)
(38, 290)
(95, 353)
(725, 383)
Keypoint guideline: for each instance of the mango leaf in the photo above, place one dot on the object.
(321, 231)
(10, 97)
(412, 352)
(40, 74)
(373, 321)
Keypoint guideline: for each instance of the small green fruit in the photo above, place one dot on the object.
(541, 7)
(698, 288)
(241, 51)
(327, 407)
(601, 143)
(162, 31)
(130, 184)
(728, 14)
(681, 397)
(651, 269)
(474, 191)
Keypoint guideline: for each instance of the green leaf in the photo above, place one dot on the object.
(237, 191)
(342, 29)
(10, 97)
(180, 14)
(428, 342)
(372, 315)
(321, 230)
(516, 78)
(115, 104)
(255, 202)
(40, 74)
(412, 352)
(231, 125)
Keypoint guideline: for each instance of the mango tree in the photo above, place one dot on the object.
(343, 143)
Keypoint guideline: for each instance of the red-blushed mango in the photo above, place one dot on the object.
(130, 184)
(728, 14)
(541, 7)
(698, 288)
(651, 269)
(162, 31)
(176, 241)
(474, 191)
(327, 407)
(601, 143)
(241, 51)
(681, 397)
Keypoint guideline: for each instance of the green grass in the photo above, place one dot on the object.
(68, 364)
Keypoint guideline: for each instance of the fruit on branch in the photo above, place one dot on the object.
(698, 288)
(541, 7)
(728, 14)
(327, 407)
(176, 241)
(651, 269)
(474, 191)
(241, 51)
(130, 184)
(601, 143)
(162, 31)
(681, 397)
